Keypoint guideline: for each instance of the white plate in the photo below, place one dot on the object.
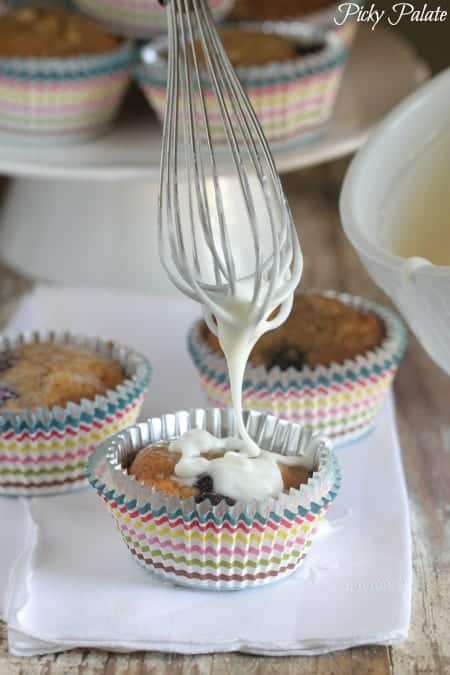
(382, 70)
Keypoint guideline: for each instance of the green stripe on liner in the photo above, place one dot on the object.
(156, 553)
(59, 118)
(53, 471)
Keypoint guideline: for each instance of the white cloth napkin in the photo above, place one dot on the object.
(14, 531)
(76, 585)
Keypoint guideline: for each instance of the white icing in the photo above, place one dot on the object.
(244, 471)
(234, 474)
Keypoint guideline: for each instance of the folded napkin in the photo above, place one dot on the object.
(14, 532)
(76, 584)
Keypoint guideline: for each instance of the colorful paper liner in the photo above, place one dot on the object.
(214, 549)
(63, 100)
(45, 451)
(139, 18)
(340, 400)
(289, 98)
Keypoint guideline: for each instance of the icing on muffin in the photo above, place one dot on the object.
(205, 467)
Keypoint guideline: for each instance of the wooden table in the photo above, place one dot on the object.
(423, 413)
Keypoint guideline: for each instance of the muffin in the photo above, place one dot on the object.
(139, 18)
(291, 79)
(192, 534)
(330, 365)
(62, 78)
(60, 395)
(318, 13)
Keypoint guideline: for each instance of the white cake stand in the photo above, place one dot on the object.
(87, 213)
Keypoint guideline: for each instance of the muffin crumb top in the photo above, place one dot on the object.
(253, 47)
(51, 32)
(49, 374)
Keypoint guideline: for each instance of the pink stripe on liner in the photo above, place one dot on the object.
(282, 110)
(195, 523)
(298, 81)
(56, 109)
(55, 457)
(212, 550)
(204, 527)
(70, 431)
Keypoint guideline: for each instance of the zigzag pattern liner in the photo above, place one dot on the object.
(60, 98)
(29, 468)
(216, 552)
(341, 400)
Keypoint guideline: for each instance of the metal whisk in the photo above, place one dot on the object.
(225, 229)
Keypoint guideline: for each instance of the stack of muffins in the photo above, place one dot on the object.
(63, 75)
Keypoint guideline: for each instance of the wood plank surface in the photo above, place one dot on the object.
(423, 414)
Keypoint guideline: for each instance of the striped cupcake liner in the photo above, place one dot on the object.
(339, 400)
(139, 18)
(62, 100)
(290, 98)
(44, 451)
(216, 547)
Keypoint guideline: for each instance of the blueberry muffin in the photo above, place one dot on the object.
(241, 521)
(48, 374)
(330, 365)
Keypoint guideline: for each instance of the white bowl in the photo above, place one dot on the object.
(395, 171)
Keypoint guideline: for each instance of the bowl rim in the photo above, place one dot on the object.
(399, 116)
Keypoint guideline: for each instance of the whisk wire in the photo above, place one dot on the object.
(194, 230)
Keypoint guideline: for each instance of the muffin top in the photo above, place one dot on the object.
(48, 374)
(267, 10)
(44, 32)
(213, 473)
(319, 331)
(253, 47)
